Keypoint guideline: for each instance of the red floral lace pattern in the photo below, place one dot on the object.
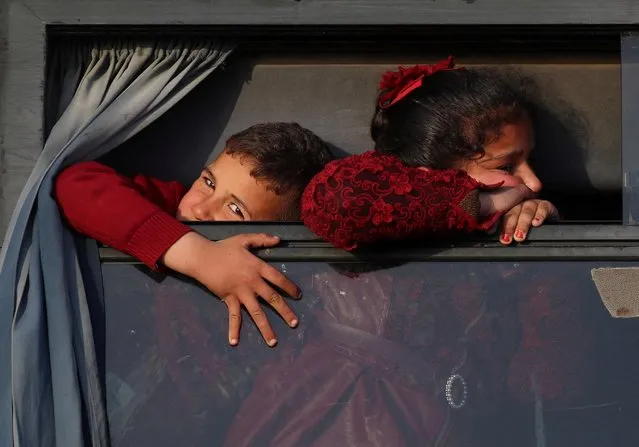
(372, 197)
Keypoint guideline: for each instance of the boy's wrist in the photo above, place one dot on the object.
(183, 256)
(151, 238)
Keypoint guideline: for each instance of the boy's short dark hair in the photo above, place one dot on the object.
(286, 157)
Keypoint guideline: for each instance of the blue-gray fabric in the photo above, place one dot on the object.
(50, 282)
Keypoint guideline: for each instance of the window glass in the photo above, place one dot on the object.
(425, 353)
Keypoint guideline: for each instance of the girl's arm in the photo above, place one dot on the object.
(371, 197)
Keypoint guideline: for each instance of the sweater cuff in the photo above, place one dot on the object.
(472, 206)
(154, 237)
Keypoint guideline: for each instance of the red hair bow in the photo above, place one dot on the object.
(397, 84)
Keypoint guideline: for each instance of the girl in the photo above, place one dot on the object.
(472, 125)
(426, 354)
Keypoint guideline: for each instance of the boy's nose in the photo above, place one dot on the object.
(201, 214)
(205, 210)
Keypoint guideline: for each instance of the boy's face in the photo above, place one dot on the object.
(226, 190)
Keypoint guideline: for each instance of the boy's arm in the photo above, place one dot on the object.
(135, 215)
(371, 197)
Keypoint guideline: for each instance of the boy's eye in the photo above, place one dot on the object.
(236, 210)
(208, 182)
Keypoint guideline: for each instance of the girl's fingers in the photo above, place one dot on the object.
(524, 222)
(509, 224)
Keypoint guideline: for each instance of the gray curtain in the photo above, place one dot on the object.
(50, 290)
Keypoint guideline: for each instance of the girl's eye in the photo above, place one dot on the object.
(236, 210)
(208, 182)
(506, 168)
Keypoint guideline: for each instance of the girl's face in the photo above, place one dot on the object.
(506, 158)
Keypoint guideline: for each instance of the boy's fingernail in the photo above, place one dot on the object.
(233, 341)
(293, 323)
(519, 234)
(272, 342)
(299, 294)
(505, 238)
(536, 221)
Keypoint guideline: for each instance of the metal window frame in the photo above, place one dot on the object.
(560, 242)
(321, 12)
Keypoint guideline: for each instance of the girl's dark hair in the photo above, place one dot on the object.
(452, 116)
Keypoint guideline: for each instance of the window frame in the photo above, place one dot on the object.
(553, 242)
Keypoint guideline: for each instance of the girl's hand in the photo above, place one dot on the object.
(517, 221)
(503, 199)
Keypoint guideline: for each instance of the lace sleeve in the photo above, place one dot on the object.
(370, 198)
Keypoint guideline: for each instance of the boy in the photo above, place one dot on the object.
(260, 175)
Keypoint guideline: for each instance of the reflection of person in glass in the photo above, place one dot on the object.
(425, 354)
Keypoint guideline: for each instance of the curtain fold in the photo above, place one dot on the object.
(50, 294)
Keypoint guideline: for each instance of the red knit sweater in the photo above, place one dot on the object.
(134, 215)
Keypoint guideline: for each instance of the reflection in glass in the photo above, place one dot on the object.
(449, 354)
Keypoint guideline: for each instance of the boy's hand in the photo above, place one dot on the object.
(229, 270)
(519, 219)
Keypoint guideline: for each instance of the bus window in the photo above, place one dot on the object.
(502, 353)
